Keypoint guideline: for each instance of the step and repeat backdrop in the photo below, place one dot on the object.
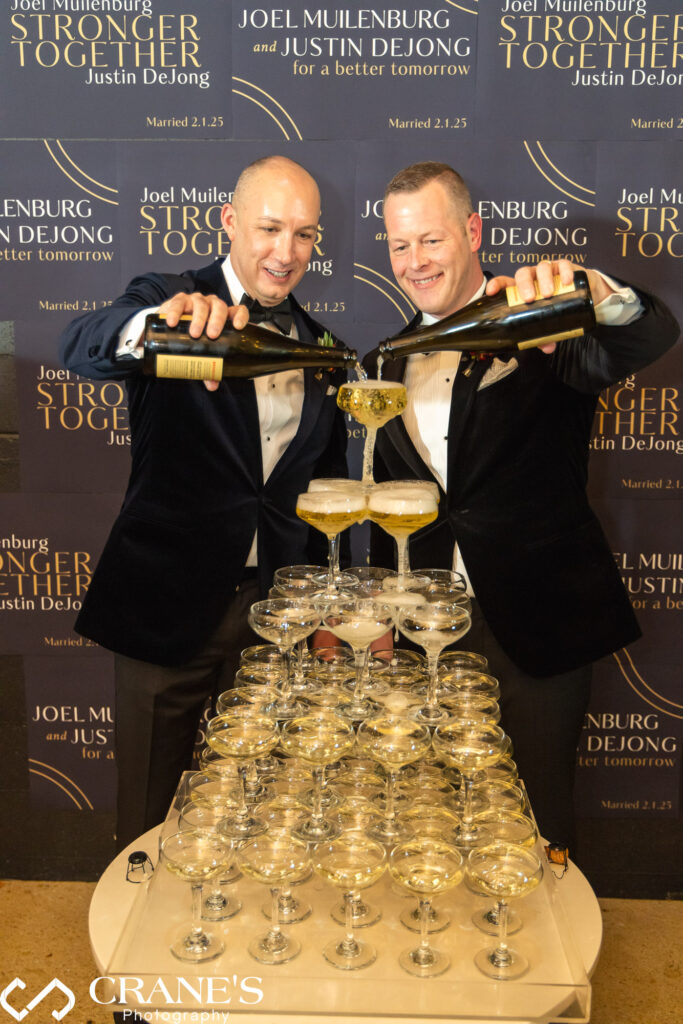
(123, 127)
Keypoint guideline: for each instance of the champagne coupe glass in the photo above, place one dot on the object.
(262, 662)
(371, 579)
(352, 863)
(401, 511)
(394, 741)
(505, 871)
(469, 745)
(197, 816)
(331, 512)
(465, 680)
(372, 403)
(299, 582)
(244, 734)
(320, 739)
(196, 857)
(433, 625)
(275, 859)
(358, 622)
(426, 866)
(505, 826)
(284, 623)
(454, 660)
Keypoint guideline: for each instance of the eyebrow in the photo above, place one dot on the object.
(279, 223)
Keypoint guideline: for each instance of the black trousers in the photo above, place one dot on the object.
(158, 711)
(543, 717)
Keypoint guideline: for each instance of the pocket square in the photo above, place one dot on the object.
(496, 371)
(330, 391)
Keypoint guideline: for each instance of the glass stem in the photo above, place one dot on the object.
(332, 560)
(467, 802)
(432, 665)
(243, 809)
(349, 944)
(424, 952)
(286, 685)
(402, 563)
(197, 929)
(390, 809)
(361, 658)
(317, 812)
(274, 933)
(501, 954)
(369, 454)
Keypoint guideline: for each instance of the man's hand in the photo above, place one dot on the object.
(209, 314)
(543, 273)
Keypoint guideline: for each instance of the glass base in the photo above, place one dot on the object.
(389, 832)
(220, 908)
(363, 914)
(285, 710)
(290, 910)
(274, 948)
(424, 963)
(487, 921)
(468, 838)
(196, 947)
(427, 715)
(349, 956)
(242, 827)
(357, 710)
(311, 831)
(501, 967)
(439, 920)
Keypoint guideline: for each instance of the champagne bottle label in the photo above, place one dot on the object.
(189, 367)
(514, 299)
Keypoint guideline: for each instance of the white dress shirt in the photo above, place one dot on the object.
(429, 382)
(279, 396)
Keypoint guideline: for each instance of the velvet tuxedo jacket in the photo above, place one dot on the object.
(518, 445)
(196, 492)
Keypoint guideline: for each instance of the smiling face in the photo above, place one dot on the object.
(272, 224)
(433, 248)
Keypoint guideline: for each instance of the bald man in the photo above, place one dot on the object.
(209, 511)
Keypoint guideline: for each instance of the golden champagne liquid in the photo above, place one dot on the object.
(393, 741)
(372, 402)
(329, 523)
(426, 866)
(317, 739)
(508, 880)
(243, 740)
(273, 871)
(351, 868)
(192, 871)
(402, 524)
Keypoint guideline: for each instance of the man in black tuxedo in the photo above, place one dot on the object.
(209, 512)
(507, 440)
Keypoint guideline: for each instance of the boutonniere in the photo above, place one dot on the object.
(327, 340)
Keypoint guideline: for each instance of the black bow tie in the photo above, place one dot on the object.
(281, 315)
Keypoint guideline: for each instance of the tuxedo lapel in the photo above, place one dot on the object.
(240, 390)
(394, 432)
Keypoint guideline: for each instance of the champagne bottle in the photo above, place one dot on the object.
(504, 321)
(249, 352)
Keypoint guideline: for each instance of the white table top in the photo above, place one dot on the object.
(311, 991)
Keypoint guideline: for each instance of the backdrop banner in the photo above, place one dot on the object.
(123, 127)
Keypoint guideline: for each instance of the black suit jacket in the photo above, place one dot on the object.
(518, 447)
(196, 492)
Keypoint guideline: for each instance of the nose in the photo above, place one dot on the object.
(284, 248)
(418, 257)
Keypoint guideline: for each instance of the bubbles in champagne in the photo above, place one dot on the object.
(372, 402)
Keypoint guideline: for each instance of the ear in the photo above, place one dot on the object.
(474, 226)
(228, 219)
